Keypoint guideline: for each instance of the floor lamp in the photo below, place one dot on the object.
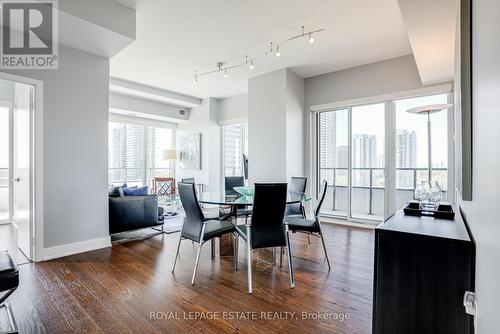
(428, 110)
(170, 155)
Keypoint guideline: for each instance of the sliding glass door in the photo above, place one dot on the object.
(368, 162)
(333, 160)
(351, 158)
(374, 155)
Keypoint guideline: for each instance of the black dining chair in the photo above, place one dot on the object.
(266, 228)
(310, 226)
(297, 210)
(188, 180)
(230, 182)
(196, 228)
(297, 185)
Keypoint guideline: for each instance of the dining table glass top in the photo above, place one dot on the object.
(233, 198)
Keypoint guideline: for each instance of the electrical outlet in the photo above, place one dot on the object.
(470, 302)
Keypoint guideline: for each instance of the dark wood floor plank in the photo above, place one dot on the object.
(116, 290)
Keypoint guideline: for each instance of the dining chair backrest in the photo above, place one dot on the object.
(298, 184)
(194, 216)
(188, 180)
(234, 181)
(322, 198)
(268, 212)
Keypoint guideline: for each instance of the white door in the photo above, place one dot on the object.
(21, 182)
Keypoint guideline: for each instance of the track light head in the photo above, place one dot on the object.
(225, 73)
(251, 65)
(278, 53)
(311, 38)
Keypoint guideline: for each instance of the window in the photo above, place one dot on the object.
(136, 153)
(412, 146)
(4, 163)
(235, 148)
(351, 144)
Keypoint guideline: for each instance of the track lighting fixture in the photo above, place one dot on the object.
(249, 61)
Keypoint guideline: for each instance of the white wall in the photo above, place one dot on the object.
(295, 126)
(143, 106)
(267, 127)
(204, 120)
(480, 213)
(75, 127)
(275, 126)
(233, 109)
(384, 77)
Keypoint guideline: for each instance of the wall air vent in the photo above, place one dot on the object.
(182, 112)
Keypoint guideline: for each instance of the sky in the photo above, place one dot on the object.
(369, 119)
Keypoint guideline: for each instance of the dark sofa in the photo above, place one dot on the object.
(133, 213)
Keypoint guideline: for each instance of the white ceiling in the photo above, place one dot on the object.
(175, 37)
(431, 27)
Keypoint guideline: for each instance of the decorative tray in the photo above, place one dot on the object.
(444, 210)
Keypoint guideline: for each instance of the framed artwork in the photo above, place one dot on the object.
(190, 151)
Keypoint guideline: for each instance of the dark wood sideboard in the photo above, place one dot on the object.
(423, 266)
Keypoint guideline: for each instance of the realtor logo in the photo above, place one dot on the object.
(29, 35)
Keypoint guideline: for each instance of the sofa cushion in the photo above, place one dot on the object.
(140, 191)
(115, 191)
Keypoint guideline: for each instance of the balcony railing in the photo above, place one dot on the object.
(136, 176)
(368, 186)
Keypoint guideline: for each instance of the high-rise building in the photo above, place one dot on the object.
(406, 149)
(364, 155)
(328, 147)
(406, 157)
(132, 147)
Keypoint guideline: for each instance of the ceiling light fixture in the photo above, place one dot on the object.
(224, 67)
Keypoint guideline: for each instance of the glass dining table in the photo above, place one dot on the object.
(235, 200)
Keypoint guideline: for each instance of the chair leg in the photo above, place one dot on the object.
(308, 239)
(212, 248)
(10, 314)
(249, 260)
(290, 266)
(324, 248)
(177, 252)
(281, 257)
(196, 264)
(236, 242)
(274, 256)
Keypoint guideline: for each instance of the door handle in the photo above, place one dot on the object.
(17, 179)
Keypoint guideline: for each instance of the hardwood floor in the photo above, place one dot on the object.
(116, 290)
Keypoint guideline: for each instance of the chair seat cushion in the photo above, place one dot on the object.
(9, 272)
(243, 212)
(216, 228)
(294, 210)
(242, 231)
(299, 224)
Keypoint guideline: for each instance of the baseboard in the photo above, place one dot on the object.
(74, 248)
(328, 220)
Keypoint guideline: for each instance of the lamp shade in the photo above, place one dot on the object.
(169, 155)
(431, 108)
